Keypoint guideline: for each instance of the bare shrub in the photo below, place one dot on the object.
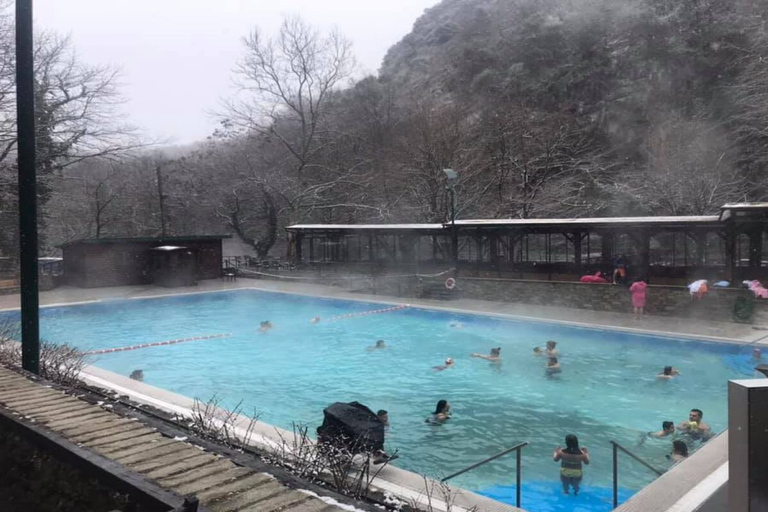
(212, 421)
(60, 362)
(436, 490)
(300, 455)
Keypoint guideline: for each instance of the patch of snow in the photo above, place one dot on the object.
(330, 501)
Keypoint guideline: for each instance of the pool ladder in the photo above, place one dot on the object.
(616, 448)
(518, 463)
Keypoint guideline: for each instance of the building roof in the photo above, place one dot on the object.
(745, 206)
(590, 221)
(168, 240)
(352, 227)
(587, 222)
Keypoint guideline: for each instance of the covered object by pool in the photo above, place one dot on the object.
(91, 263)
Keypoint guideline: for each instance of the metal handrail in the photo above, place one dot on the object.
(616, 448)
(518, 462)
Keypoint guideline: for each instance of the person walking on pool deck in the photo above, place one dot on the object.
(638, 291)
(571, 460)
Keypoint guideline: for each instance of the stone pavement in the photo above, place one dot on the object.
(177, 466)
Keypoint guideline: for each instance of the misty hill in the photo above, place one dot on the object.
(656, 84)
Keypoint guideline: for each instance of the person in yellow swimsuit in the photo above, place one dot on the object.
(571, 460)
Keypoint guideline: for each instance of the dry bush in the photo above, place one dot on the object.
(211, 421)
(435, 489)
(59, 362)
(300, 455)
(346, 470)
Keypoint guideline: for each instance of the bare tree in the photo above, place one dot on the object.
(689, 169)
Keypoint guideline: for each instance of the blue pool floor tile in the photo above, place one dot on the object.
(548, 497)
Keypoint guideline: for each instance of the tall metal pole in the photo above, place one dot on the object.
(25, 112)
(615, 476)
(518, 477)
(454, 234)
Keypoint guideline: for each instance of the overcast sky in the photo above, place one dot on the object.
(176, 56)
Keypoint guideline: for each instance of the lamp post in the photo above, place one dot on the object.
(25, 109)
(453, 177)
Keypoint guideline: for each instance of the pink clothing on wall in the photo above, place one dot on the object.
(638, 294)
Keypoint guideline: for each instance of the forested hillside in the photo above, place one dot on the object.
(543, 107)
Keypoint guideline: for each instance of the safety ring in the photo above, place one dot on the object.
(450, 283)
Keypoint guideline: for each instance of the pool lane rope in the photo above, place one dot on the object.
(156, 344)
(371, 312)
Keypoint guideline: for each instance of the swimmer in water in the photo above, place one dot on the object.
(442, 413)
(380, 344)
(551, 351)
(265, 326)
(494, 357)
(669, 373)
(315, 320)
(449, 362)
(667, 429)
(553, 366)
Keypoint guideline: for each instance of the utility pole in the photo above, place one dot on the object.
(25, 114)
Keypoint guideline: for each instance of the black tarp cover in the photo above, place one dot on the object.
(352, 426)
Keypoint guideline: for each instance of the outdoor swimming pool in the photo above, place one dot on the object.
(607, 389)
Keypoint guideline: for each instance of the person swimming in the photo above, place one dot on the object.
(551, 350)
(667, 429)
(679, 451)
(449, 362)
(265, 326)
(553, 366)
(442, 413)
(668, 373)
(494, 357)
(455, 324)
(537, 351)
(380, 344)
(315, 320)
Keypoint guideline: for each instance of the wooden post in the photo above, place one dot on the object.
(755, 247)
(606, 248)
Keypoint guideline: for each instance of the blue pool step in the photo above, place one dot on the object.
(549, 497)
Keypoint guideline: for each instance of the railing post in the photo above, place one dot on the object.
(615, 475)
(518, 476)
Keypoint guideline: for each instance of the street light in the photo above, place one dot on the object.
(453, 177)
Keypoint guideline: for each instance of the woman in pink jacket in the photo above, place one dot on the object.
(637, 290)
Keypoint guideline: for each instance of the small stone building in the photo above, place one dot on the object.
(96, 262)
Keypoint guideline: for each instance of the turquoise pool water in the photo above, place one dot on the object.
(607, 389)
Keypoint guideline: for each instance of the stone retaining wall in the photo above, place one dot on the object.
(662, 300)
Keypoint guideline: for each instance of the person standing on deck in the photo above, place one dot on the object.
(638, 290)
